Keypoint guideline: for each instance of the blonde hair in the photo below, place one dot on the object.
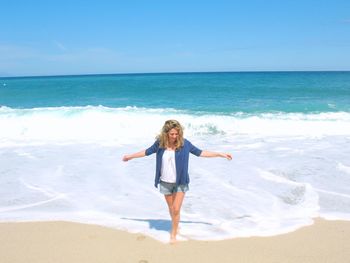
(163, 136)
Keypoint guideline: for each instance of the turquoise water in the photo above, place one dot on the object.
(225, 93)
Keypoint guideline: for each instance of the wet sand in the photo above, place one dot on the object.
(66, 242)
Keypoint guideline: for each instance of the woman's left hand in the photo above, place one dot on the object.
(228, 156)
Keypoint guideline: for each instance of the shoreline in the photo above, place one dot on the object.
(61, 241)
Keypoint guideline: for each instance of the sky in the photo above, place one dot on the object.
(107, 37)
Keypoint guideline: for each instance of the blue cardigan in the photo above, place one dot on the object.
(181, 161)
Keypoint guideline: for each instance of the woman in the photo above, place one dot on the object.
(172, 167)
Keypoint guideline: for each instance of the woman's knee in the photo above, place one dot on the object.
(175, 210)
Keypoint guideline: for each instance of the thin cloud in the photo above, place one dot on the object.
(346, 21)
(59, 45)
(14, 52)
(17, 53)
(85, 55)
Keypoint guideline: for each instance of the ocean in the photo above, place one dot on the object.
(62, 139)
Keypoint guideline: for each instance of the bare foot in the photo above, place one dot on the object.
(172, 239)
(178, 230)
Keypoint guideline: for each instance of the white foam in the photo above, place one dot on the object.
(124, 125)
(65, 164)
(343, 168)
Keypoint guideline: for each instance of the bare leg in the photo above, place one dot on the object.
(174, 202)
(169, 200)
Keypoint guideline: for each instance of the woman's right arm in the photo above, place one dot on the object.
(142, 153)
(134, 155)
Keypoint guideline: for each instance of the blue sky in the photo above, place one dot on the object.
(93, 37)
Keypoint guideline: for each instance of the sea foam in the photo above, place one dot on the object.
(65, 163)
(124, 125)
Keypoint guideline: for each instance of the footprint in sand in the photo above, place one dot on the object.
(140, 238)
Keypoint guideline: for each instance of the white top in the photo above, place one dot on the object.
(168, 169)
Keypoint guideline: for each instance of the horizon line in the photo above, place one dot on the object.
(169, 72)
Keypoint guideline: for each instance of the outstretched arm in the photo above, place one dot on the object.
(142, 153)
(228, 156)
(134, 155)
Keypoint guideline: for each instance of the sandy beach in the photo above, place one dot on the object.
(324, 241)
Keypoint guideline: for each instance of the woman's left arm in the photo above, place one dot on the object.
(228, 156)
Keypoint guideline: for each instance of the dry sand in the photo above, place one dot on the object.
(49, 242)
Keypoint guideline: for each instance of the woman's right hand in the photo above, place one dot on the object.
(126, 158)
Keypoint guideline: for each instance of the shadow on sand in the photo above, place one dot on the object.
(163, 224)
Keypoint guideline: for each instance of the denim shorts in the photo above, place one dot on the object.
(170, 188)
